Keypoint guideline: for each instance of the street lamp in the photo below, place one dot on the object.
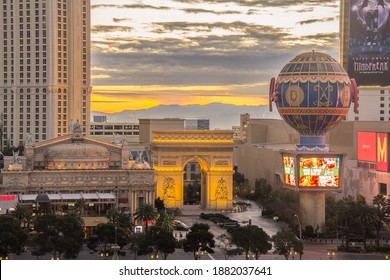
(293, 253)
(331, 254)
(115, 248)
(154, 256)
(199, 252)
(300, 227)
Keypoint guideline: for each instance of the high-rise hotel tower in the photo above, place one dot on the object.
(44, 68)
(365, 54)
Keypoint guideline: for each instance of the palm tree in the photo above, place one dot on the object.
(382, 207)
(112, 215)
(145, 213)
(166, 221)
(344, 214)
(366, 217)
(23, 215)
(80, 206)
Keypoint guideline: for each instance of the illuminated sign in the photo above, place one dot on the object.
(382, 148)
(7, 197)
(373, 150)
(319, 172)
(289, 170)
(138, 229)
(369, 34)
(366, 146)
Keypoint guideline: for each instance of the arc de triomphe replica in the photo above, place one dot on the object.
(213, 150)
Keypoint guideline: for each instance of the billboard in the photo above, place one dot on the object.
(289, 170)
(373, 147)
(369, 42)
(382, 151)
(366, 146)
(319, 172)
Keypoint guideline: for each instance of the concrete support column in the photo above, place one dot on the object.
(312, 208)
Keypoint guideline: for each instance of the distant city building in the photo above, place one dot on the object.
(374, 105)
(364, 53)
(244, 121)
(197, 124)
(236, 133)
(99, 119)
(115, 132)
(45, 81)
(147, 126)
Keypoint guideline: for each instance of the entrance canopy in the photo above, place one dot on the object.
(103, 197)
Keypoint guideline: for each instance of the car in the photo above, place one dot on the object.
(178, 225)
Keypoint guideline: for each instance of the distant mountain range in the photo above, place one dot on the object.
(222, 116)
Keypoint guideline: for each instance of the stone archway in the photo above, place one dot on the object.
(213, 150)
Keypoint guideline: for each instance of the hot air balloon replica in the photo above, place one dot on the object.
(313, 94)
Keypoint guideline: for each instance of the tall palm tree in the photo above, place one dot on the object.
(166, 221)
(80, 206)
(366, 217)
(23, 215)
(382, 207)
(145, 213)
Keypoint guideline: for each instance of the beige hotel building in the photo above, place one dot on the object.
(45, 69)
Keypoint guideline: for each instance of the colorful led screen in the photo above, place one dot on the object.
(289, 170)
(319, 172)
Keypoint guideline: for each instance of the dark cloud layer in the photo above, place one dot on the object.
(265, 3)
(310, 21)
(110, 28)
(199, 11)
(134, 6)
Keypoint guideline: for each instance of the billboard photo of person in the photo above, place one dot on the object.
(368, 15)
(369, 42)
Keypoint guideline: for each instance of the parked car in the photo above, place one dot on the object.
(178, 225)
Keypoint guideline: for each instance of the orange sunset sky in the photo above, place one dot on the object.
(151, 52)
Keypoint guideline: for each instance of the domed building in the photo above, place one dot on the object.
(77, 155)
(72, 167)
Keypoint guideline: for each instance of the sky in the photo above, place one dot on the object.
(151, 52)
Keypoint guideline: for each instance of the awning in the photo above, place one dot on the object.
(71, 196)
(106, 195)
(54, 196)
(89, 196)
(28, 197)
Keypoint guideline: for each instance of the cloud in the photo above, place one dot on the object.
(199, 11)
(265, 3)
(116, 20)
(315, 20)
(110, 28)
(236, 26)
(134, 6)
